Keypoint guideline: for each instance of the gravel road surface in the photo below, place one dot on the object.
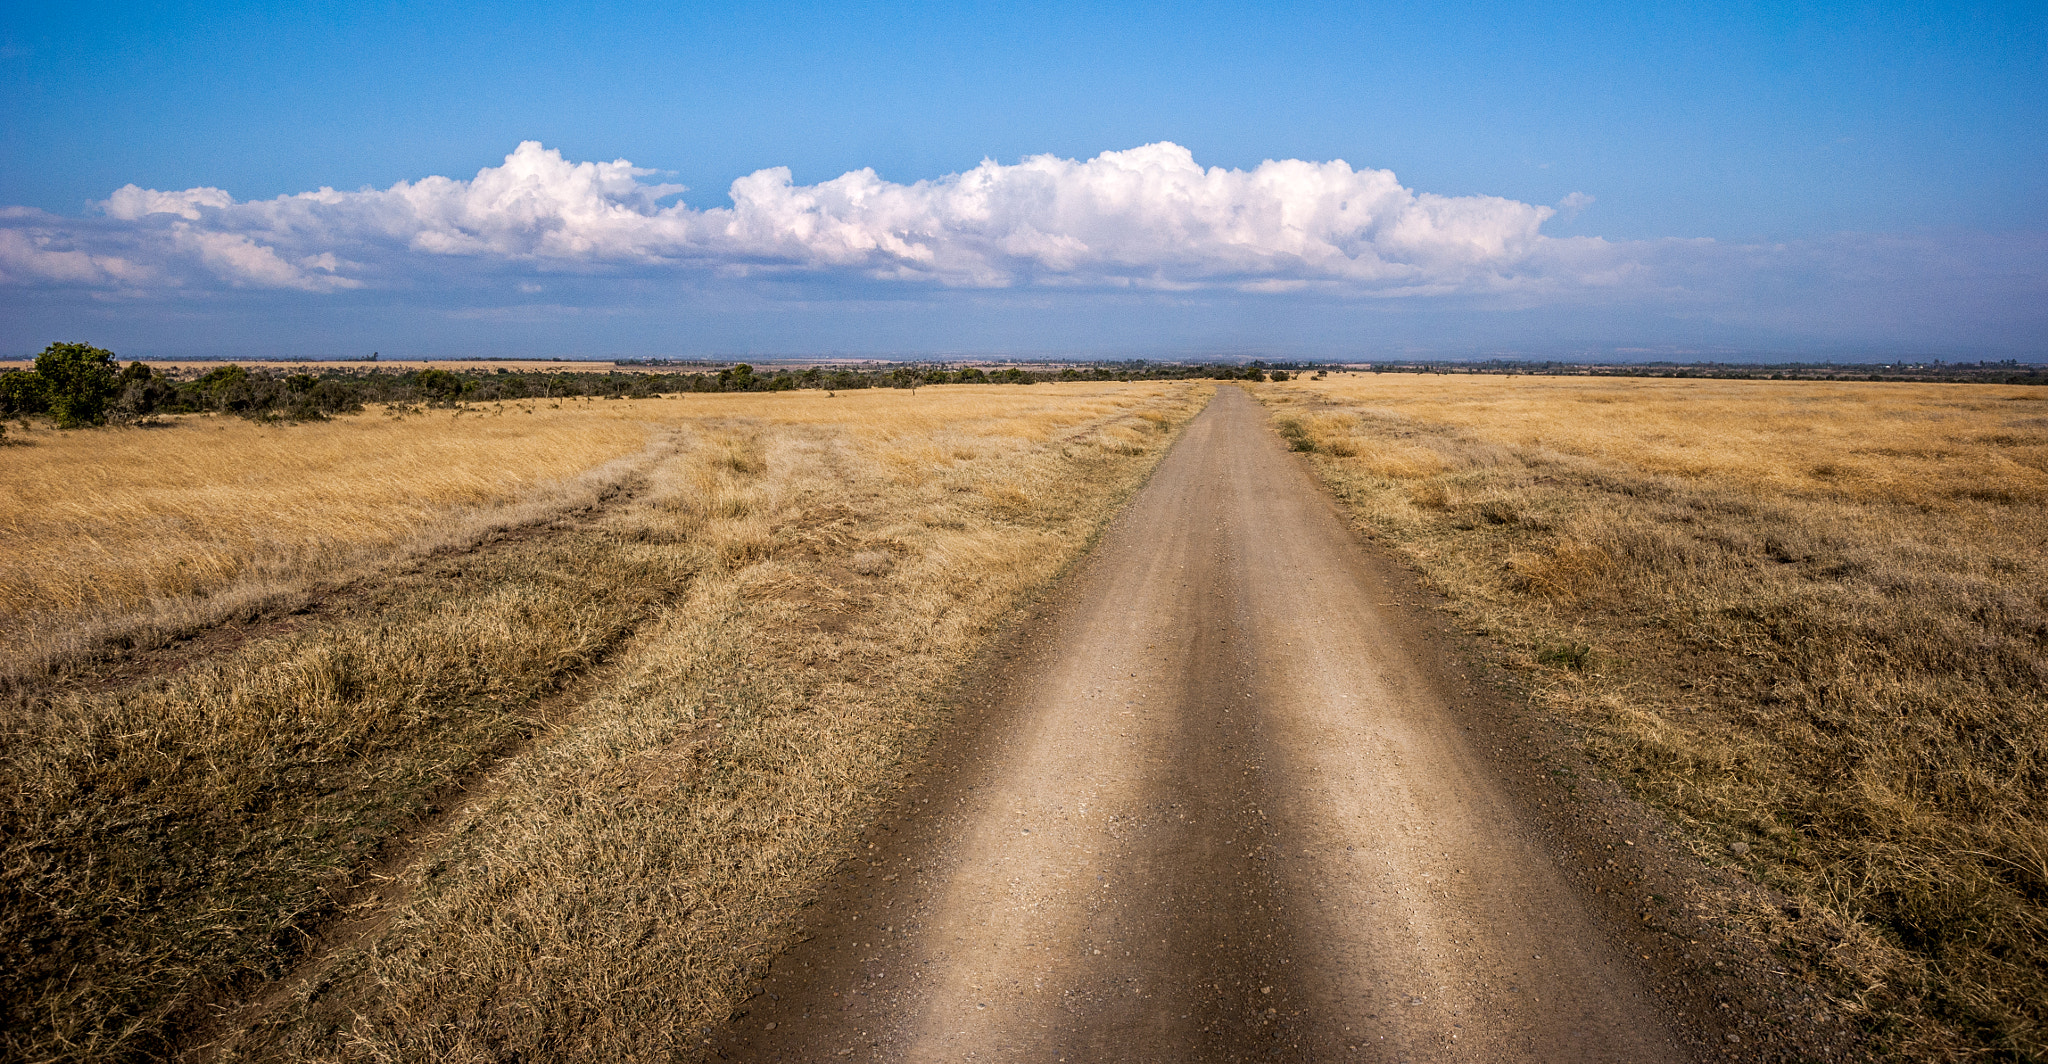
(1215, 810)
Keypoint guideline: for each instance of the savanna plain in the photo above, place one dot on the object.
(526, 731)
(489, 733)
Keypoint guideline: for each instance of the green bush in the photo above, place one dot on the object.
(1295, 433)
(739, 378)
(21, 394)
(439, 387)
(79, 383)
(142, 393)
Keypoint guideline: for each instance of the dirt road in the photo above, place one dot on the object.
(1217, 812)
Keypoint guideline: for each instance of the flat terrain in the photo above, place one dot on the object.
(449, 758)
(1220, 812)
(1652, 720)
(1806, 621)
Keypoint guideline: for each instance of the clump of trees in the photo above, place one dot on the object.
(77, 385)
(72, 383)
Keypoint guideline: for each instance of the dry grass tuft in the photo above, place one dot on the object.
(788, 581)
(1808, 620)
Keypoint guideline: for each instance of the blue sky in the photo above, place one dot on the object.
(1751, 180)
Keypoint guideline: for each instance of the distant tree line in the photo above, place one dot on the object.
(77, 385)
(1934, 371)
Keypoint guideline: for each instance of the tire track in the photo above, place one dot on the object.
(110, 655)
(372, 894)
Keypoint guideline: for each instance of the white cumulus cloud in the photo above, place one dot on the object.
(167, 243)
(1147, 217)
(1150, 218)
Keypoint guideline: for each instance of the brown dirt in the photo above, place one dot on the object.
(1234, 793)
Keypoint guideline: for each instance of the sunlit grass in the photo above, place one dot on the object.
(1809, 619)
(775, 585)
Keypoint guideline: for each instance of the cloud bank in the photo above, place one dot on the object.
(1100, 240)
(1150, 217)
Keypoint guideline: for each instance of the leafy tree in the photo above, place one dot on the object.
(79, 380)
(22, 394)
(226, 388)
(739, 378)
(218, 380)
(439, 385)
(142, 393)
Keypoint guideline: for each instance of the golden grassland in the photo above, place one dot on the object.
(108, 520)
(1807, 620)
(651, 720)
(140, 533)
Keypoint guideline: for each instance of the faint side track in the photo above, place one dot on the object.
(122, 653)
(1216, 813)
(359, 904)
(376, 892)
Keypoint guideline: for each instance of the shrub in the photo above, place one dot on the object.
(79, 381)
(220, 380)
(21, 394)
(438, 386)
(739, 378)
(142, 393)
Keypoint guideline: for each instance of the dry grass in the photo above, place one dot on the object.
(791, 580)
(178, 521)
(1808, 620)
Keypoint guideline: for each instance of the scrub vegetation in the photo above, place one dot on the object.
(1807, 620)
(76, 385)
(532, 729)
